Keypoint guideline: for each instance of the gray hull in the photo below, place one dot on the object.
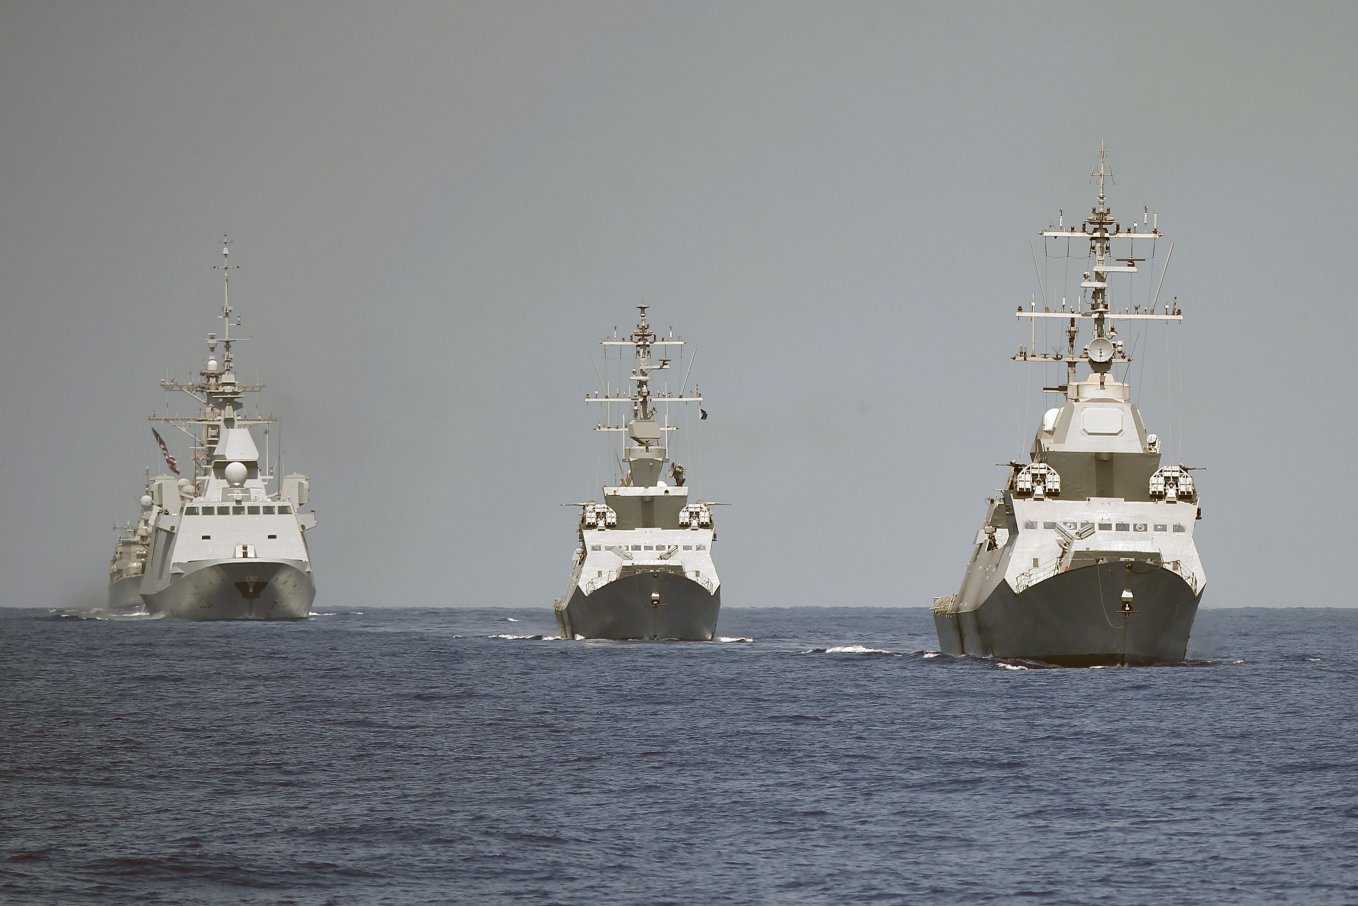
(124, 595)
(1075, 619)
(624, 609)
(237, 590)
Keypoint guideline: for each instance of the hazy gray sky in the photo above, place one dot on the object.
(439, 208)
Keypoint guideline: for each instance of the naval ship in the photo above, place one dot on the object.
(130, 550)
(222, 546)
(643, 567)
(1087, 557)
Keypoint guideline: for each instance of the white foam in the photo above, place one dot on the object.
(855, 649)
(511, 619)
(734, 639)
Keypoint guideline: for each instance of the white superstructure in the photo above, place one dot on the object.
(1087, 557)
(643, 567)
(130, 551)
(222, 545)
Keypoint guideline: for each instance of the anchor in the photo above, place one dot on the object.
(251, 588)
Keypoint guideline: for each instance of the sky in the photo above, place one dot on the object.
(439, 208)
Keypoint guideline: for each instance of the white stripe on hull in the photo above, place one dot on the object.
(237, 590)
(1075, 619)
(626, 609)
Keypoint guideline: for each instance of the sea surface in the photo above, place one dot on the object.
(814, 755)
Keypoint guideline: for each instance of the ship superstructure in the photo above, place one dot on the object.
(1087, 556)
(130, 551)
(643, 567)
(223, 547)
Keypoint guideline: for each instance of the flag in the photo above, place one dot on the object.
(165, 451)
(702, 414)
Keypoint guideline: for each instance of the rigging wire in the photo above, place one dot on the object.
(1169, 388)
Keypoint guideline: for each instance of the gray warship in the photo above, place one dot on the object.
(130, 550)
(643, 566)
(1087, 556)
(222, 546)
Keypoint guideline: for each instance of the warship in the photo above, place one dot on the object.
(222, 546)
(643, 566)
(130, 550)
(1087, 556)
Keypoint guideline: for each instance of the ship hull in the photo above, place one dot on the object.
(124, 595)
(628, 608)
(1075, 619)
(237, 590)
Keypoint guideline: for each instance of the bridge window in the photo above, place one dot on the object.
(1124, 527)
(1161, 527)
(238, 510)
(1178, 527)
(268, 511)
(252, 510)
(191, 511)
(1105, 526)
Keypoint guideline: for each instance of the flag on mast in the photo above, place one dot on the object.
(165, 451)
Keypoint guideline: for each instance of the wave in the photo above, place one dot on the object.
(850, 649)
(100, 614)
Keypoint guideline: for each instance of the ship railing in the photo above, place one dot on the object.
(1188, 575)
(1039, 573)
(600, 581)
(702, 580)
(613, 575)
(945, 604)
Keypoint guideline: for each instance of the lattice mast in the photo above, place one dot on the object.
(217, 388)
(1100, 229)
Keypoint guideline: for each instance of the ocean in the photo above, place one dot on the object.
(818, 755)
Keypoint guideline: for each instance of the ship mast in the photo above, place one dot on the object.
(647, 454)
(217, 390)
(1099, 228)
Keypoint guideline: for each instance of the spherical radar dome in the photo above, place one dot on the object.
(235, 474)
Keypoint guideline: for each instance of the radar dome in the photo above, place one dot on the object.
(211, 364)
(235, 474)
(145, 500)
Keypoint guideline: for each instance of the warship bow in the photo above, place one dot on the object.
(1087, 556)
(223, 546)
(643, 566)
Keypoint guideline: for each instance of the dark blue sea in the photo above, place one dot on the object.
(814, 756)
